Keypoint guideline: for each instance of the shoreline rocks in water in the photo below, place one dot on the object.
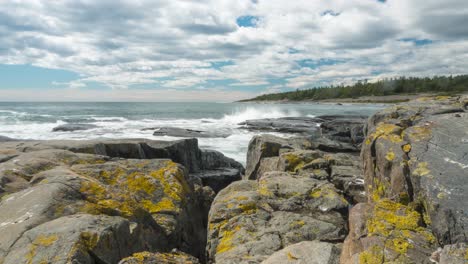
(299, 125)
(388, 189)
(188, 133)
(73, 127)
(295, 190)
(408, 198)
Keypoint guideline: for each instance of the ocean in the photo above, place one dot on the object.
(127, 120)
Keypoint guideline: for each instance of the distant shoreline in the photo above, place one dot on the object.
(384, 99)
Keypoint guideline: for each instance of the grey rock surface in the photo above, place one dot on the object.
(306, 252)
(414, 158)
(137, 202)
(81, 238)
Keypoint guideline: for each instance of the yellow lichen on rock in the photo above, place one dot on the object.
(89, 240)
(172, 180)
(226, 243)
(389, 215)
(406, 148)
(422, 169)
(165, 205)
(297, 224)
(139, 182)
(389, 132)
(390, 156)
(291, 257)
(374, 255)
(294, 162)
(263, 188)
(131, 190)
(45, 240)
(397, 223)
(418, 133)
(40, 241)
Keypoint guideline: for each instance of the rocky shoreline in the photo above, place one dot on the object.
(390, 188)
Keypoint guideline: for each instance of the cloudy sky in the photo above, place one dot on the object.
(220, 50)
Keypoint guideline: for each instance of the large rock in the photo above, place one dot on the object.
(185, 152)
(188, 133)
(266, 146)
(414, 159)
(419, 153)
(344, 128)
(53, 199)
(73, 127)
(78, 238)
(307, 252)
(251, 220)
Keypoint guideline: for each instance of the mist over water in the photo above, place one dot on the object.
(127, 120)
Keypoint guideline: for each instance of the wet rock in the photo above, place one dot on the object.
(349, 129)
(174, 257)
(73, 127)
(188, 133)
(307, 252)
(300, 125)
(218, 179)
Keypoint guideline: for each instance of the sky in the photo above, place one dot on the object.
(220, 50)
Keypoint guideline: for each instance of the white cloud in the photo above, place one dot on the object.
(169, 44)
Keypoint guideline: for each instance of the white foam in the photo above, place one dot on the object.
(257, 113)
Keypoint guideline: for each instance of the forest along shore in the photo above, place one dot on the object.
(401, 89)
(388, 188)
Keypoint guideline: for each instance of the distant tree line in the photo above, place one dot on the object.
(393, 86)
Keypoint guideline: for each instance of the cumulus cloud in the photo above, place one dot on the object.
(174, 44)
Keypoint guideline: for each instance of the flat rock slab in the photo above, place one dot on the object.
(302, 125)
(189, 133)
(307, 252)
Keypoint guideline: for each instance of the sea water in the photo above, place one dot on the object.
(128, 120)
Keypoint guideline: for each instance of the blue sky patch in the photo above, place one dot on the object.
(314, 64)
(418, 42)
(219, 64)
(32, 77)
(247, 21)
(293, 51)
